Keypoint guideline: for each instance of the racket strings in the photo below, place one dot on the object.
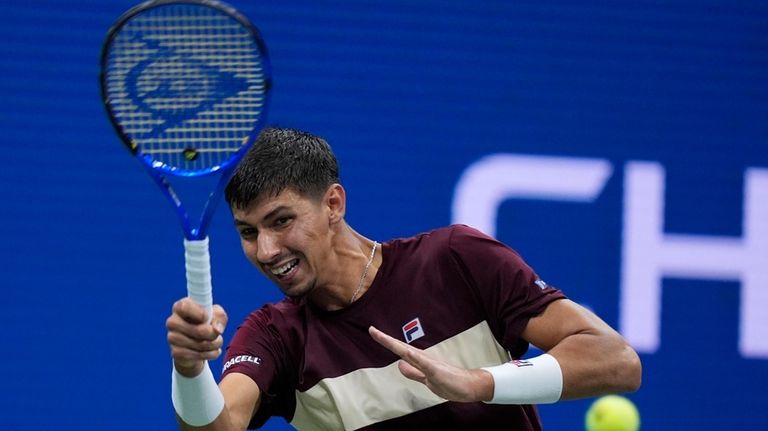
(186, 84)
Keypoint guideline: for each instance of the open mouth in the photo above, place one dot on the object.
(283, 270)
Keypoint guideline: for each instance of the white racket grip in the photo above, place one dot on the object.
(198, 263)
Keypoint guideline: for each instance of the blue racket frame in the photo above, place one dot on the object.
(160, 171)
(158, 174)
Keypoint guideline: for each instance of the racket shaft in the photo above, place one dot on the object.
(198, 264)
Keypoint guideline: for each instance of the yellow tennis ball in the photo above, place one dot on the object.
(612, 413)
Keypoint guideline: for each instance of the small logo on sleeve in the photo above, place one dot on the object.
(413, 330)
(539, 282)
(242, 358)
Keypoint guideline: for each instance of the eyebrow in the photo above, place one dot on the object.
(269, 215)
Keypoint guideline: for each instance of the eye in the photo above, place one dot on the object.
(282, 221)
(247, 232)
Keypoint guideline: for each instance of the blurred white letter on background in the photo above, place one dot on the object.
(649, 255)
(490, 181)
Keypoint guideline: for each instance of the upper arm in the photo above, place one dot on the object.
(563, 318)
(242, 398)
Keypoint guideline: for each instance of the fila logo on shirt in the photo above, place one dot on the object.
(412, 330)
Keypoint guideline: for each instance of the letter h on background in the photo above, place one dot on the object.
(649, 254)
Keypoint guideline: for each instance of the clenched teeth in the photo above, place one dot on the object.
(284, 269)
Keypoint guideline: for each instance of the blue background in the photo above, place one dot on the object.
(409, 94)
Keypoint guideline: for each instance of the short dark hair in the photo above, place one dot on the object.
(283, 159)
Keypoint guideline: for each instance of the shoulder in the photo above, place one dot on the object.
(460, 233)
(279, 316)
(450, 245)
(456, 240)
(443, 236)
(271, 329)
(469, 246)
(421, 248)
(460, 239)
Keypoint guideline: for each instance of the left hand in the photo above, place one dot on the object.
(445, 380)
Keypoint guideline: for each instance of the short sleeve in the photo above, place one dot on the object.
(257, 350)
(510, 292)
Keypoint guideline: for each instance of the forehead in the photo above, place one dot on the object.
(265, 205)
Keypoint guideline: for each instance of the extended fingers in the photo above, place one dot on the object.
(417, 358)
(411, 372)
(394, 345)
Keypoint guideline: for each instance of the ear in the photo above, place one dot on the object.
(336, 201)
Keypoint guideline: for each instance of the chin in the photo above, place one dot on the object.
(298, 291)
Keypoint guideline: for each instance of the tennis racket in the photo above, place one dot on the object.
(186, 85)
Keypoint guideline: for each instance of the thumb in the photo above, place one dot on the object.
(220, 318)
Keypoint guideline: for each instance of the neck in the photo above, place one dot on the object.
(363, 280)
(343, 268)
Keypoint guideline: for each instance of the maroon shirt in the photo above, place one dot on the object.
(458, 283)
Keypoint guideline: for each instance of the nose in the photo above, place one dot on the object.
(267, 247)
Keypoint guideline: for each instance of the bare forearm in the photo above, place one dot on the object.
(596, 364)
(242, 398)
(222, 423)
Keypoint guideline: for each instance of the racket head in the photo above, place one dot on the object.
(186, 84)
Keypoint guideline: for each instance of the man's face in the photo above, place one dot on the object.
(286, 237)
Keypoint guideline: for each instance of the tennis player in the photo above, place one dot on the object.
(426, 332)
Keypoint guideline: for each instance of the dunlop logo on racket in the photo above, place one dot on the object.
(155, 86)
(185, 81)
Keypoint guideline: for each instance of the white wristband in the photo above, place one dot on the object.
(537, 380)
(197, 400)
